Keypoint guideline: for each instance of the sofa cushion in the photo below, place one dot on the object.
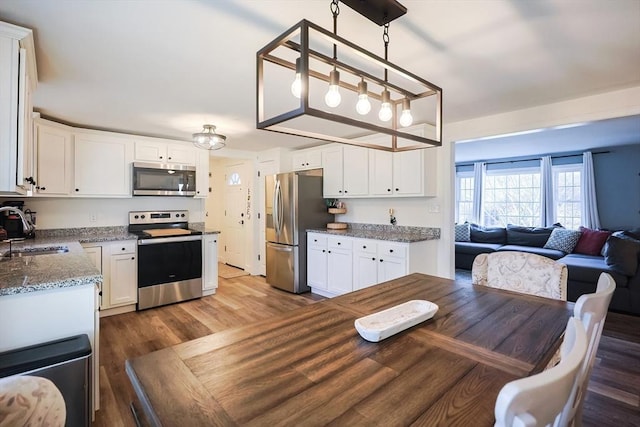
(591, 241)
(528, 236)
(563, 240)
(472, 248)
(463, 232)
(481, 234)
(549, 253)
(622, 255)
(587, 268)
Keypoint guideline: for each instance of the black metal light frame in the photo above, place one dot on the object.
(301, 31)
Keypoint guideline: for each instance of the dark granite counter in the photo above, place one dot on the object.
(392, 233)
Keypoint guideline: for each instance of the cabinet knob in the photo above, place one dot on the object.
(215, 241)
(345, 191)
(388, 189)
(397, 189)
(339, 191)
(77, 189)
(161, 157)
(323, 251)
(44, 188)
(391, 250)
(364, 247)
(373, 259)
(133, 258)
(381, 260)
(328, 252)
(100, 293)
(169, 158)
(339, 243)
(124, 249)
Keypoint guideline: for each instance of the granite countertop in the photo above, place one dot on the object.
(199, 226)
(43, 272)
(393, 233)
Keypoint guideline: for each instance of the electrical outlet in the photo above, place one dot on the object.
(93, 217)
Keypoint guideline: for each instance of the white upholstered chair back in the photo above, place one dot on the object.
(27, 400)
(539, 400)
(521, 272)
(591, 309)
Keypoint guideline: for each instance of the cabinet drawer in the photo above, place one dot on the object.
(316, 240)
(124, 247)
(339, 243)
(365, 246)
(393, 250)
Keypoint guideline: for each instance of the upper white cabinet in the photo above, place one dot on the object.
(102, 165)
(202, 173)
(152, 151)
(310, 158)
(18, 80)
(346, 171)
(54, 154)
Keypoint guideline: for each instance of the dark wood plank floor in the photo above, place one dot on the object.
(614, 391)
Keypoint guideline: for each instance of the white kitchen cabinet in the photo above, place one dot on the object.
(117, 261)
(54, 159)
(352, 263)
(317, 261)
(380, 173)
(378, 261)
(209, 264)
(102, 165)
(202, 174)
(123, 280)
(339, 265)
(152, 151)
(310, 158)
(346, 171)
(18, 80)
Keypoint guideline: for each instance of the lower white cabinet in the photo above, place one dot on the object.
(338, 265)
(119, 268)
(209, 264)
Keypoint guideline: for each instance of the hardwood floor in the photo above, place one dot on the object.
(614, 391)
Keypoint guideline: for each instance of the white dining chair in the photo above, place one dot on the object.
(591, 309)
(521, 272)
(539, 400)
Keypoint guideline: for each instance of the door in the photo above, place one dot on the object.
(339, 271)
(123, 289)
(234, 215)
(355, 171)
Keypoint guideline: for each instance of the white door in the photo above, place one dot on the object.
(265, 168)
(235, 199)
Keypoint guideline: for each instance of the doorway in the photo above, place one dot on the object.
(236, 199)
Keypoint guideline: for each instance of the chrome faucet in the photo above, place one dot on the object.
(27, 226)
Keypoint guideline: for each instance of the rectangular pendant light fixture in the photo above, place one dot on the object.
(372, 102)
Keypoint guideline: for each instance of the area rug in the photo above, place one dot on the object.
(229, 272)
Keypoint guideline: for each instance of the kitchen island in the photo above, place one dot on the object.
(310, 367)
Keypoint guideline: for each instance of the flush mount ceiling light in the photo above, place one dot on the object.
(208, 139)
(316, 84)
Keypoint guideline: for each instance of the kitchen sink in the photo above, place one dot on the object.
(23, 252)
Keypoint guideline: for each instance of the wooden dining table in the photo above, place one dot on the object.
(310, 366)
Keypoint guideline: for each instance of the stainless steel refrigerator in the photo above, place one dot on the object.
(294, 203)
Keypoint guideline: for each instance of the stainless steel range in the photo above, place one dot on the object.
(169, 257)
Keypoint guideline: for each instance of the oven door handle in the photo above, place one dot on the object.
(157, 241)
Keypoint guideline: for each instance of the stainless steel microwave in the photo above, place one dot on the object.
(159, 179)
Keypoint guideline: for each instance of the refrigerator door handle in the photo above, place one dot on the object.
(276, 208)
(280, 207)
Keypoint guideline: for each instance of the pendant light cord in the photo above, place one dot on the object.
(335, 11)
(385, 39)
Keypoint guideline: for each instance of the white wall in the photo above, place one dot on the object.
(78, 212)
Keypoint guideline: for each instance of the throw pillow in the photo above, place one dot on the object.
(563, 240)
(591, 241)
(622, 255)
(463, 232)
(481, 234)
(528, 236)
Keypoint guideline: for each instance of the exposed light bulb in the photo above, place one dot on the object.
(296, 86)
(385, 113)
(333, 98)
(363, 106)
(406, 119)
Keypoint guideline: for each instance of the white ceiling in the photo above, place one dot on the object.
(164, 68)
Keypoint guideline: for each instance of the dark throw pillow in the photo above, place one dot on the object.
(591, 241)
(563, 240)
(463, 232)
(622, 255)
(488, 234)
(528, 236)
